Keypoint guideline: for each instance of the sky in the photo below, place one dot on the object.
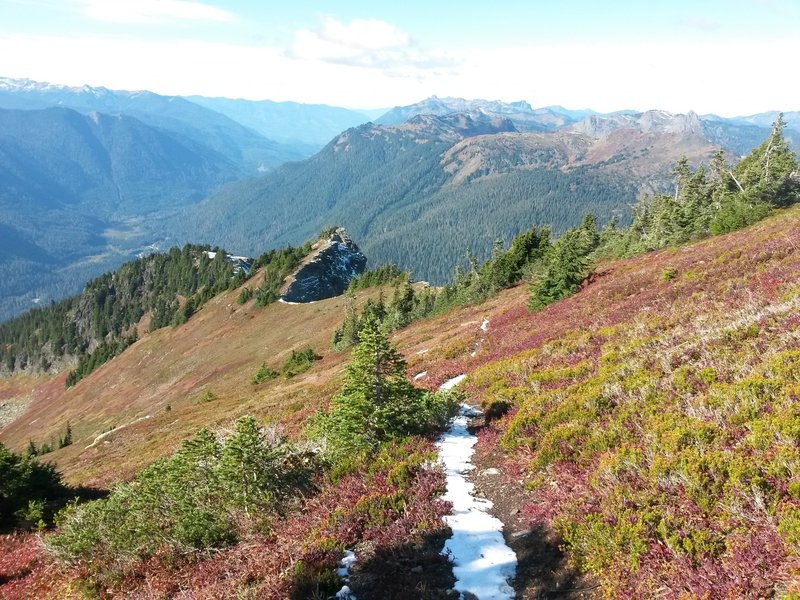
(727, 57)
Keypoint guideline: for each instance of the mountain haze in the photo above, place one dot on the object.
(88, 174)
(311, 125)
(81, 193)
(250, 150)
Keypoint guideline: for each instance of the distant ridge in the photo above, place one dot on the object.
(524, 117)
(238, 143)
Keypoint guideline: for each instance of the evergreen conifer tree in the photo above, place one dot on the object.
(247, 467)
(376, 402)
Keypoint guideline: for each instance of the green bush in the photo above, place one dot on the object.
(263, 374)
(377, 403)
(299, 362)
(245, 295)
(206, 495)
(27, 489)
(207, 396)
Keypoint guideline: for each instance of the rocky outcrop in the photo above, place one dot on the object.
(327, 271)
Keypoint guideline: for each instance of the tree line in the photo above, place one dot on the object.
(713, 201)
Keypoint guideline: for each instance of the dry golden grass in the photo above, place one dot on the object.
(119, 415)
(218, 350)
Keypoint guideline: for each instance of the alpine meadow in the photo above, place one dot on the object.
(287, 311)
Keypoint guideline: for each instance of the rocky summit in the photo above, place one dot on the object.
(327, 271)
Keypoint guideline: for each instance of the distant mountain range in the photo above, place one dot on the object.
(90, 177)
(306, 125)
(550, 118)
(250, 150)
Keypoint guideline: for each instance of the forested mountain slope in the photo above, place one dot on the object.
(89, 174)
(82, 193)
(442, 186)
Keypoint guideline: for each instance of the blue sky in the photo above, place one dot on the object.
(732, 57)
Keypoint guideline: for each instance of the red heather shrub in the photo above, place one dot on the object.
(666, 455)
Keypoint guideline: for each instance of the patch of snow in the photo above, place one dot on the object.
(485, 325)
(424, 351)
(347, 560)
(482, 562)
(451, 383)
(343, 571)
(345, 594)
(293, 303)
(419, 376)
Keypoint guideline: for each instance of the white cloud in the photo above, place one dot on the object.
(366, 34)
(612, 76)
(369, 43)
(153, 11)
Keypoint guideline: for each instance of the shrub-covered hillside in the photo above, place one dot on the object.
(654, 416)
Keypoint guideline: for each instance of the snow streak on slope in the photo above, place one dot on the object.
(482, 563)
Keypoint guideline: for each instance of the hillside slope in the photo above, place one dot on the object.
(651, 422)
(218, 350)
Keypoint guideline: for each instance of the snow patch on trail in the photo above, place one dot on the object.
(482, 562)
(419, 376)
(282, 301)
(343, 571)
(484, 328)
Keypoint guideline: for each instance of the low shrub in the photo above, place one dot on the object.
(263, 374)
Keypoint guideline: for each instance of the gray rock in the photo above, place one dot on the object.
(519, 534)
(327, 271)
